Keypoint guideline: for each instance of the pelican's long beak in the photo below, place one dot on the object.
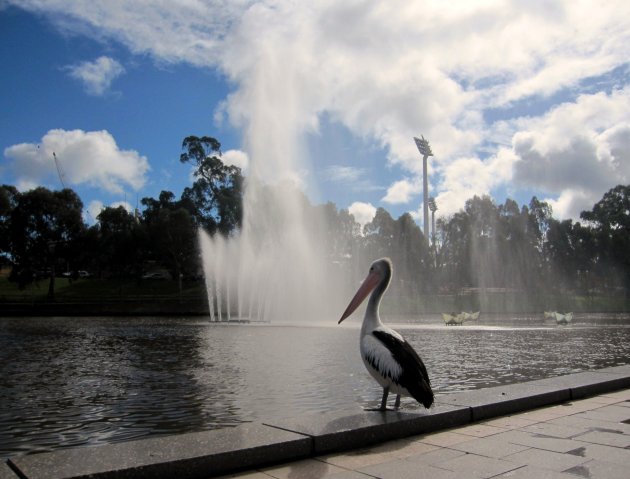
(366, 288)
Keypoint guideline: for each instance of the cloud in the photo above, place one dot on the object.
(91, 158)
(363, 212)
(236, 158)
(401, 192)
(390, 70)
(96, 76)
(341, 173)
(94, 209)
(578, 149)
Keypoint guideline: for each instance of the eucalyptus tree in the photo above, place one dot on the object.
(44, 228)
(217, 192)
(9, 197)
(171, 230)
(610, 218)
(122, 242)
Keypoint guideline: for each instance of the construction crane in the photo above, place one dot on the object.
(59, 171)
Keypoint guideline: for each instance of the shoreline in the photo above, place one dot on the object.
(253, 445)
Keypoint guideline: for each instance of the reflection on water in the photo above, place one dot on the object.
(66, 382)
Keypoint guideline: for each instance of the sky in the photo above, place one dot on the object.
(517, 98)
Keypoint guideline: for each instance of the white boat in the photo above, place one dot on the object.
(453, 319)
(563, 318)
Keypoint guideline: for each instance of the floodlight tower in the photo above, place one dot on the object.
(433, 208)
(425, 150)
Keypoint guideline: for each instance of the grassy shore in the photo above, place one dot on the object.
(92, 296)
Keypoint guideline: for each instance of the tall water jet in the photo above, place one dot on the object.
(274, 268)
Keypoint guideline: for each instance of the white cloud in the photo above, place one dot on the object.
(342, 173)
(96, 76)
(236, 158)
(578, 150)
(401, 192)
(93, 210)
(363, 212)
(91, 157)
(390, 70)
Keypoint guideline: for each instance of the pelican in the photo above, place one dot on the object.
(386, 355)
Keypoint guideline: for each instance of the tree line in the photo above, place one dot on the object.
(484, 247)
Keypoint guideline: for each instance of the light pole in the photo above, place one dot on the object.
(425, 151)
(433, 208)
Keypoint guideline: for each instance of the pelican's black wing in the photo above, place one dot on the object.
(414, 377)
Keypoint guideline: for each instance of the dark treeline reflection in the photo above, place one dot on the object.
(487, 256)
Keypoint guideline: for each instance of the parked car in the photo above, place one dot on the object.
(157, 275)
(84, 274)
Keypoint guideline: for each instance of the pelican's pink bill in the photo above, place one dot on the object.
(366, 288)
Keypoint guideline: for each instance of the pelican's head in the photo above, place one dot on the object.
(380, 274)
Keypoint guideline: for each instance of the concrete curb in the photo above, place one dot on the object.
(249, 446)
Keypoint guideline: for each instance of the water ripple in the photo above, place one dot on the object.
(68, 382)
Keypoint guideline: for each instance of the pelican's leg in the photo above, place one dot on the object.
(384, 400)
(397, 403)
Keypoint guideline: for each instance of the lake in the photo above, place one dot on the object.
(68, 382)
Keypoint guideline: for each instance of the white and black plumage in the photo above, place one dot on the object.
(387, 356)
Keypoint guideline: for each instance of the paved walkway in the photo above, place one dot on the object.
(588, 438)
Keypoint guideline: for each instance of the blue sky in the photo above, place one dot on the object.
(517, 98)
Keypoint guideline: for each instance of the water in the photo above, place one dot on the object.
(67, 382)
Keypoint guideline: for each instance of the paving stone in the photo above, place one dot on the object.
(408, 470)
(306, 469)
(246, 475)
(510, 422)
(502, 400)
(6, 472)
(434, 458)
(574, 407)
(539, 415)
(546, 459)
(605, 438)
(554, 430)
(538, 441)
(480, 430)
(599, 470)
(185, 455)
(608, 413)
(603, 453)
(591, 424)
(472, 465)
(531, 472)
(404, 448)
(599, 400)
(348, 475)
(338, 432)
(489, 447)
(357, 458)
(623, 395)
(445, 439)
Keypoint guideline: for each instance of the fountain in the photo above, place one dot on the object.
(275, 267)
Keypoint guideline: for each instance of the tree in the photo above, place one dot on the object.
(44, 226)
(122, 242)
(218, 189)
(9, 197)
(611, 219)
(172, 231)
